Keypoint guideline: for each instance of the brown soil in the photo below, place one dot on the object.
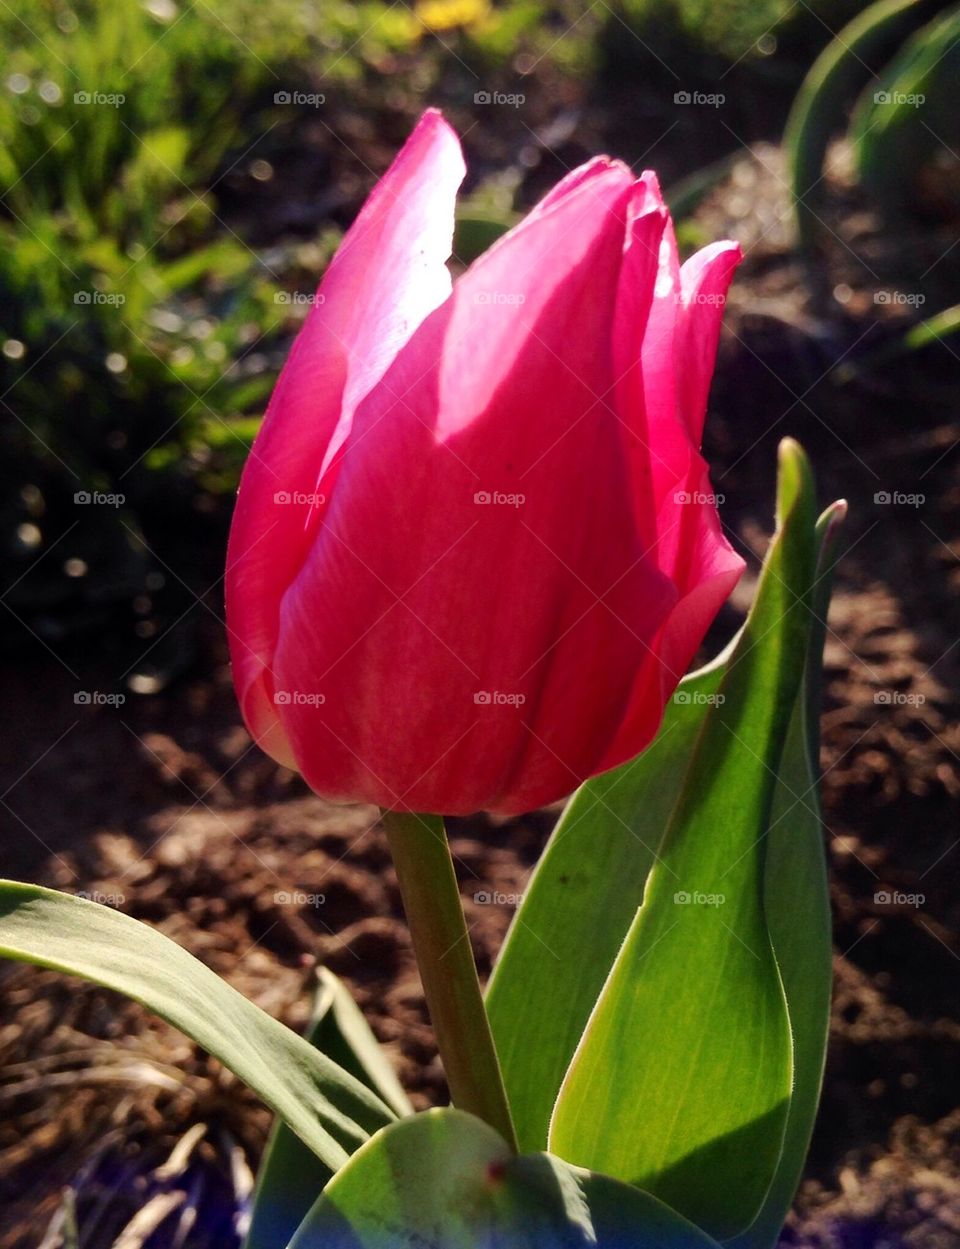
(165, 802)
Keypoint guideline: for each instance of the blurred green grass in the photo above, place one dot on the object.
(150, 151)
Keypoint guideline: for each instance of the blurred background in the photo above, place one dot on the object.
(173, 179)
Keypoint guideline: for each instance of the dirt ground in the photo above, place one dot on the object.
(164, 807)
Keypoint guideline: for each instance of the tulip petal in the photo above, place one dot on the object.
(638, 278)
(476, 656)
(387, 276)
(677, 358)
(704, 281)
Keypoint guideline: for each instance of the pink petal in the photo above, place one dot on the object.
(704, 281)
(509, 387)
(387, 276)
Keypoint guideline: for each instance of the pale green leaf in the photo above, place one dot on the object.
(681, 1082)
(797, 904)
(445, 1180)
(329, 1109)
(291, 1177)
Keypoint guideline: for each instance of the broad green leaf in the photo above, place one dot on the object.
(681, 1082)
(797, 905)
(329, 1109)
(578, 906)
(291, 1176)
(445, 1180)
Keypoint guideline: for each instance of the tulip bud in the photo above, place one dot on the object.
(475, 546)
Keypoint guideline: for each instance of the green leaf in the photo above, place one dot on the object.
(445, 1180)
(818, 110)
(291, 1176)
(797, 905)
(330, 1110)
(681, 1081)
(578, 906)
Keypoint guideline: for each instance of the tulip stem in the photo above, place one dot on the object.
(431, 900)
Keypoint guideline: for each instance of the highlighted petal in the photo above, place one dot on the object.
(388, 275)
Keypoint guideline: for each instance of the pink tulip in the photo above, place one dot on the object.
(475, 547)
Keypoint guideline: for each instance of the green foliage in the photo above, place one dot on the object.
(330, 1110)
(904, 129)
(906, 126)
(797, 906)
(291, 1176)
(680, 1006)
(732, 29)
(674, 1066)
(445, 1180)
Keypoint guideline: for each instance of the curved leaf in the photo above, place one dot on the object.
(578, 907)
(681, 1082)
(291, 1177)
(445, 1180)
(797, 905)
(330, 1110)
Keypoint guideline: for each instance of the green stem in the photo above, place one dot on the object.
(431, 899)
